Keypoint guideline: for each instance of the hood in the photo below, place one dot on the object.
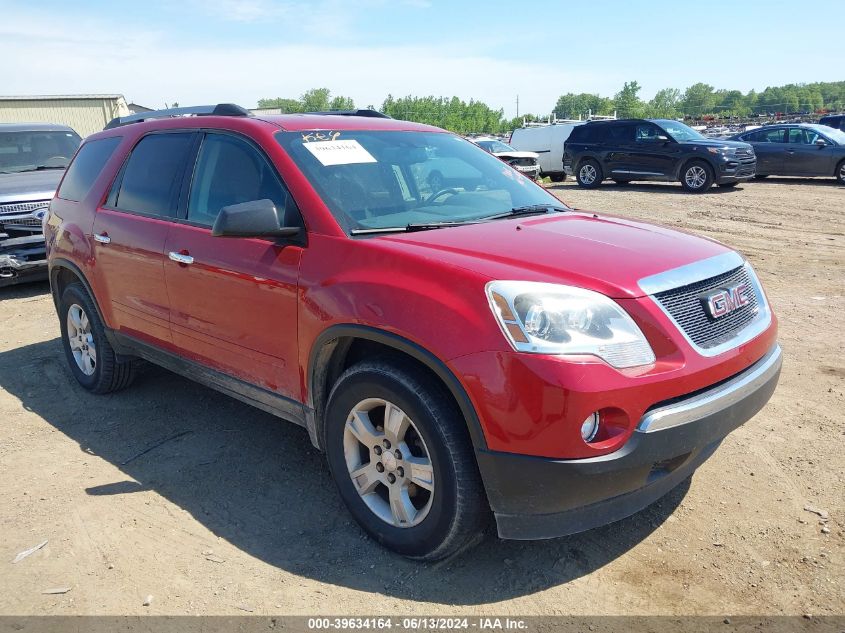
(516, 154)
(29, 185)
(606, 254)
(717, 142)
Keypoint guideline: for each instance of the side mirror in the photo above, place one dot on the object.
(256, 218)
(820, 142)
(662, 137)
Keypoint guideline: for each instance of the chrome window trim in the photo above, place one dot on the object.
(717, 399)
(701, 271)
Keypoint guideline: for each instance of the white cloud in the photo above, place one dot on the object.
(150, 68)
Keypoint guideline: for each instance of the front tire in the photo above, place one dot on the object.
(399, 454)
(558, 177)
(697, 176)
(589, 174)
(92, 360)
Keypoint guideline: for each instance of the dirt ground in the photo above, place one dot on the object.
(238, 513)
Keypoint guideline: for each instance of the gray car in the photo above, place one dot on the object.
(798, 149)
(33, 158)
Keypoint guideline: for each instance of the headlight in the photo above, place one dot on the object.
(545, 318)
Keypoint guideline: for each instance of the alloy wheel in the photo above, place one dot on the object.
(388, 462)
(695, 177)
(81, 340)
(587, 174)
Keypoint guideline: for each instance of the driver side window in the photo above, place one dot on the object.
(647, 132)
(230, 171)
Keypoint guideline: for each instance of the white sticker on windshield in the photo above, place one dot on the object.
(347, 152)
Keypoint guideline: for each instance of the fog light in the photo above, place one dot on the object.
(590, 427)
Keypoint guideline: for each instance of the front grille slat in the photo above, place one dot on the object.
(23, 207)
(685, 306)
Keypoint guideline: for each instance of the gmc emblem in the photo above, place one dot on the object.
(726, 300)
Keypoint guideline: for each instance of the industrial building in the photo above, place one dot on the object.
(84, 113)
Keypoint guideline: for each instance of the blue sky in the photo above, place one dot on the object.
(197, 51)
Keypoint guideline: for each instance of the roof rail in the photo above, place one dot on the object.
(221, 109)
(362, 112)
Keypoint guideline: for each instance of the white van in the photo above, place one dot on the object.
(547, 141)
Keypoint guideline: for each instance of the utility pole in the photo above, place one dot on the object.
(517, 106)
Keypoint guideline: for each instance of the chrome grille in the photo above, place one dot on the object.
(23, 207)
(684, 304)
(31, 222)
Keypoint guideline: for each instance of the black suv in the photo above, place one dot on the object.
(654, 149)
(834, 120)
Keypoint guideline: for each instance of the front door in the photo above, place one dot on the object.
(130, 231)
(233, 301)
(804, 157)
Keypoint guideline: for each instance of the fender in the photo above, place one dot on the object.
(318, 362)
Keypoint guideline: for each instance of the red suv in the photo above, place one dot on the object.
(477, 350)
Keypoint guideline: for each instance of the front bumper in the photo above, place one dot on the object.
(535, 497)
(22, 259)
(736, 169)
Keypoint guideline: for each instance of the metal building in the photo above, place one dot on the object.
(84, 113)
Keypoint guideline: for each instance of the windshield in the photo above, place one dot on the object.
(31, 150)
(838, 136)
(381, 179)
(495, 147)
(679, 131)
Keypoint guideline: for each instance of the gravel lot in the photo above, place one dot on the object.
(238, 514)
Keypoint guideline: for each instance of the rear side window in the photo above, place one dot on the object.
(153, 175)
(230, 171)
(765, 136)
(85, 168)
(620, 133)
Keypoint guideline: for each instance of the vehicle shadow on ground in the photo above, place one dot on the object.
(672, 188)
(25, 290)
(786, 180)
(258, 483)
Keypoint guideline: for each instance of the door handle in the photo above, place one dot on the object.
(102, 238)
(181, 258)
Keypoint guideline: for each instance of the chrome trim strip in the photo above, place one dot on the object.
(691, 273)
(637, 173)
(717, 399)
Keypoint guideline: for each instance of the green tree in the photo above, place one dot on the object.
(664, 104)
(627, 102)
(285, 105)
(573, 106)
(699, 99)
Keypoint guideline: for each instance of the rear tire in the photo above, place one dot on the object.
(697, 176)
(89, 354)
(840, 172)
(589, 174)
(385, 421)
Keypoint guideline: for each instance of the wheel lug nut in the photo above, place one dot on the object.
(391, 478)
(380, 467)
(386, 443)
(400, 471)
(398, 454)
(377, 450)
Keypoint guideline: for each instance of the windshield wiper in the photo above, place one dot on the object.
(410, 228)
(530, 209)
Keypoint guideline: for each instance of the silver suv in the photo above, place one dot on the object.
(33, 158)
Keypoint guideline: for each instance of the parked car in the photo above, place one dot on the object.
(546, 141)
(834, 120)
(654, 149)
(798, 149)
(453, 353)
(33, 157)
(525, 162)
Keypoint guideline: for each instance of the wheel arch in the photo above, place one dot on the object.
(64, 272)
(339, 346)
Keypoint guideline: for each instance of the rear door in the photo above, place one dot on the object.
(804, 157)
(233, 301)
(770, 147)
(130, 231)
(615, 142)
